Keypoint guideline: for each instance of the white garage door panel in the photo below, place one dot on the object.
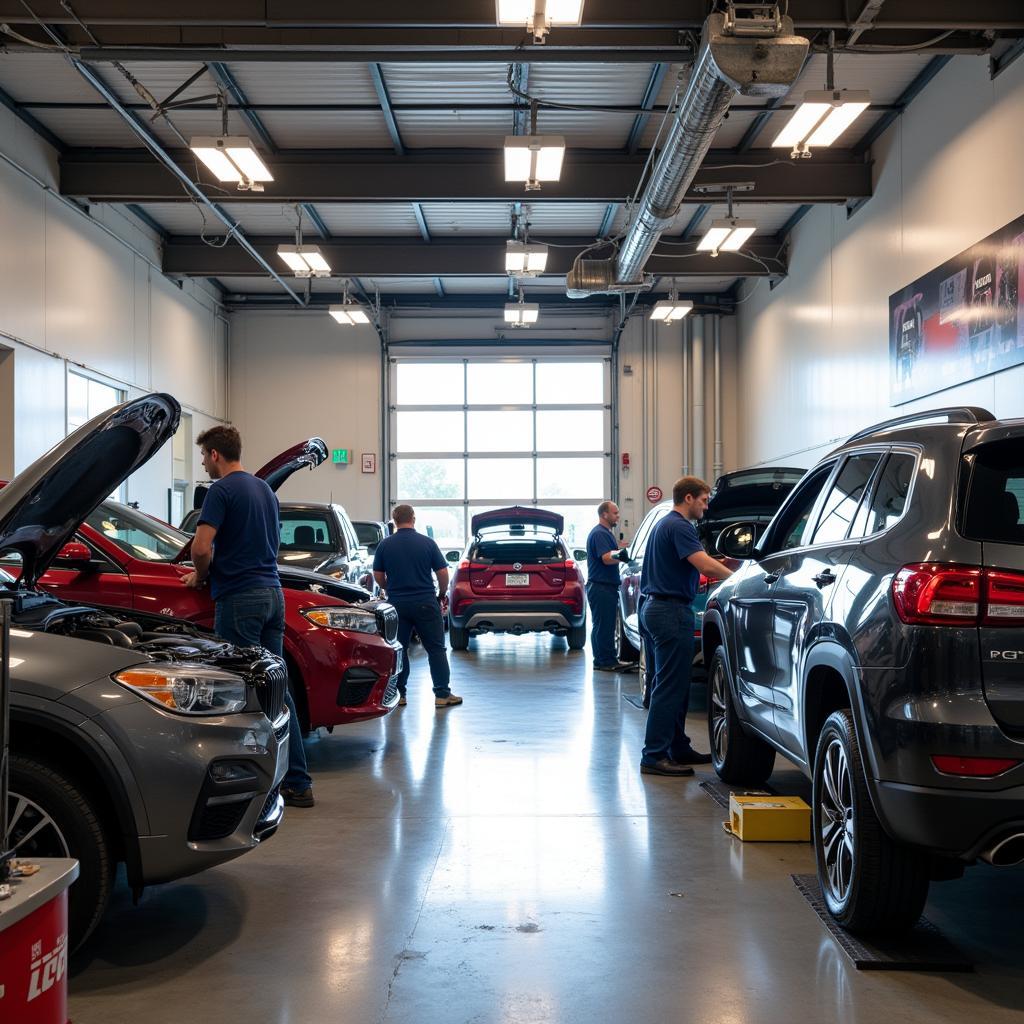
(21, 257)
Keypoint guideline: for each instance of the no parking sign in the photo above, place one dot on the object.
(654, 494)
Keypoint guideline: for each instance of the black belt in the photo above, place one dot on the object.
(670, 597)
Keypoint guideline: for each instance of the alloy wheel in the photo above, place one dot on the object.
(719, 713)
(33, 832)
(645, 692)
(836, 824)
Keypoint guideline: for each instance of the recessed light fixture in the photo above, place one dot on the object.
(726, 235)
(305, 260)
(520, 314)
(671, 309)
(533, 159)
(232, 158)
(524, 259)
(539, 15)
(350, 313)
(821, 118)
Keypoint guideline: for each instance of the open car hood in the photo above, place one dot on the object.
(306, 453)
(517, 515)
(43, 506)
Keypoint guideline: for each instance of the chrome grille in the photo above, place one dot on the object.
(271, 686)
(387, 621)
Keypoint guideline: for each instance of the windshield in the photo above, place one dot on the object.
(137, 534)
(305, 530)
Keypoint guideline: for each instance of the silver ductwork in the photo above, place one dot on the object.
(728, 62)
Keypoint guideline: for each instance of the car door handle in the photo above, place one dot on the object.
(825, 578)
(772, 577)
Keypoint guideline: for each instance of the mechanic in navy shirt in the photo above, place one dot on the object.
(603, 588)
(402, 565)
(235, 547)
(673, 563)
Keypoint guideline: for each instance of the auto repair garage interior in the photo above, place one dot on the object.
(537, 254)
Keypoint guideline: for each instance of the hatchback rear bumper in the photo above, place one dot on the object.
(514, 617)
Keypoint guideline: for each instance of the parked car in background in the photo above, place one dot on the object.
(516, 576)
(135, 738)
(873, 636)
(318, 536)
(370, 533)
(749, 495)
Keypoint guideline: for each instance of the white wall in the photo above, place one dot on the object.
(814, 352)
(73, 294)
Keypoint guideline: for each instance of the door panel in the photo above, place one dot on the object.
(750, 605)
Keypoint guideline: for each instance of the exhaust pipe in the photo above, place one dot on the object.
(1006, 852)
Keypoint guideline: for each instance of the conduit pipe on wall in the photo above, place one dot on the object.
(717, 467)
(697, 404)
(687, 327)
(763, 64)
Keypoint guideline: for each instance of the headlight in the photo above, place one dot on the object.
(354, 619)
(187, 689)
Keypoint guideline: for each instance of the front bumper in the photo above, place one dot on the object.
(518, 617)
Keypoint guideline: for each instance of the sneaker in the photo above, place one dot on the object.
(298, 797)
(402, 701)
(447, 702)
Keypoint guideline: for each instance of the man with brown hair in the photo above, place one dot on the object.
(235, 548)
(403, 565)
(673, 563)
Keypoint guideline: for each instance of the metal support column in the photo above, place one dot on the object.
(717, 467)
(697, 364)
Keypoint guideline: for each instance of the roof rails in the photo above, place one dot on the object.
(953, 414)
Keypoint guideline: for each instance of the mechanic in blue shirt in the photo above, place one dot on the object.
(603, 558)
(235, 547)
(403, 565)
(673, 563)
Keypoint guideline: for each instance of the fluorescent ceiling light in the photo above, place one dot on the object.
(350, 313)
(305, 260)
(232, 158)
(533, 158)
(520, 313)
(555, 12)
(822, 117)
(726, 235)
(671, 309)
(524, 259)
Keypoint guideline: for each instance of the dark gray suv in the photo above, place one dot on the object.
(875, 637)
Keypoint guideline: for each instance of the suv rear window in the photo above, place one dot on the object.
(517, 549)
(996, 500)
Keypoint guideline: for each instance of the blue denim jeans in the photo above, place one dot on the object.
(603, 599)
(425, 617)
(255, 618)
(668, 628)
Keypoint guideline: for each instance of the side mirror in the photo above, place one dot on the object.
(737, 541)
(580, 554)
(74, 555)
(452, 556)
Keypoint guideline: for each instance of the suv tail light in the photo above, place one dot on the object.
(933, 594)
(571, 572)
(975, 767)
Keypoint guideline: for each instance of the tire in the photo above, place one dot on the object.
(871, 884)
(624, 650)
(72, 827)
(645, 689)
(458, 638)
(738, 757)
(577, 637)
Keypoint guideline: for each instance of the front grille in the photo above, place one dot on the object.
(387, 621)
(218, 820)
(356, 686)
(271, 684)
(390, 692)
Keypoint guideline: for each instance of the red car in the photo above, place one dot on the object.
(340, 647)
(516, 576)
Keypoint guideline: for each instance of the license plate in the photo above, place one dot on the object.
(517, 579)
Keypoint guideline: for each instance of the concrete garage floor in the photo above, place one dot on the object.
(505, 862)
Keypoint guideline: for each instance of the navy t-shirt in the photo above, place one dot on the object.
(600, 540)
(408, 558)
(244, 512)
(667, 571)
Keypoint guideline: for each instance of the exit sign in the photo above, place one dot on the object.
(339, 455)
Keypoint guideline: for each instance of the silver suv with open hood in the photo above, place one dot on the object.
(135, 738)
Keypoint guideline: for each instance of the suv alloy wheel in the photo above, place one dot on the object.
(737, 756)
(870, 883)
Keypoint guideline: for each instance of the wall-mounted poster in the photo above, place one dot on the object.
(961, 321)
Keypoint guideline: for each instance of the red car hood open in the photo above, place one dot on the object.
(310, 453)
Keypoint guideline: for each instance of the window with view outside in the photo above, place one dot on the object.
(88, 398)
(473, 434)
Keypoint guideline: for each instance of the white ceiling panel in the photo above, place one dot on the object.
(474, 129)
(251, 285)
(678, 75)
(694, 284)
(769, 216)
(592, 130)
(369, 218)
(324, 129)
(269, 219)
(728, 135)
(468, 218)
(298, 82)
(181, 218)
(88, 128)
(399, 285)
(446, 83)
(475, 285)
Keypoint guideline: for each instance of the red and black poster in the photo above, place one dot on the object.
(961, 321)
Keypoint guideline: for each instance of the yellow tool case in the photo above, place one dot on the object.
(767, 818)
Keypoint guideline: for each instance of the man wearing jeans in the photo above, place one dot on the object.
(235, 547)
(403, 565)
(673, 563)
(603, 589)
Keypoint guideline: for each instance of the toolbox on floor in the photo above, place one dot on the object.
(763, 818)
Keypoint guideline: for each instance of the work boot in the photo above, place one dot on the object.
(447, 702)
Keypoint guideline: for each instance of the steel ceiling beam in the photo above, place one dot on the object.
(380, 86)
(651, 93)
(223, 77)
(122, 176)
(391, 257)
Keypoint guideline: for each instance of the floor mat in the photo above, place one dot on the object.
(924, 948)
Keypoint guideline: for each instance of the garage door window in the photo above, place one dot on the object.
(473, 434)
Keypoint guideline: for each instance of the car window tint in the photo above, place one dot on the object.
(517, 549)
(640, 545)
(305, 531)
(844, 498)
(788, 529)
(367, 533)
(995, 505)
(889, 498)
